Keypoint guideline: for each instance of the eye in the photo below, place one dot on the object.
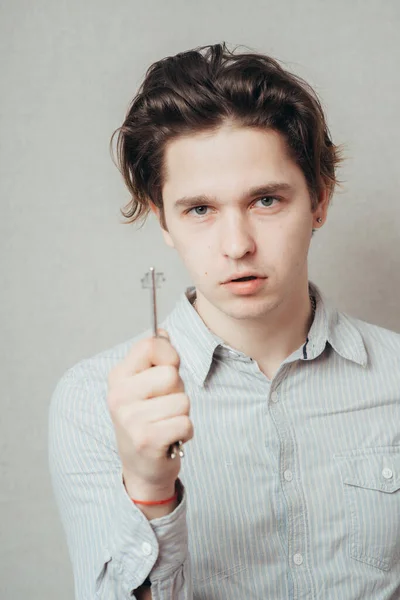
(200, 211)
(268, 199)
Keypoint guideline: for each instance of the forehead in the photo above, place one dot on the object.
(225, 160)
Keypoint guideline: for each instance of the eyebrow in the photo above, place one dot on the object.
(266, 190)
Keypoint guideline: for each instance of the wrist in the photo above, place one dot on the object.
(153, 510)
(148, 493)
(169, 500)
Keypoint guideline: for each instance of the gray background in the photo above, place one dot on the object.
(71, 272)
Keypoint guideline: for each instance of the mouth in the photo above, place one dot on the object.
(245, 278)
(244, 286)
(240, 278)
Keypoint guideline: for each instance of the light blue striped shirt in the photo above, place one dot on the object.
(291, 485)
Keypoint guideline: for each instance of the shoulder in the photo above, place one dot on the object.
(97, 366)
(83, 386)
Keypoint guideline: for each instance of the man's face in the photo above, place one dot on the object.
(236, 230)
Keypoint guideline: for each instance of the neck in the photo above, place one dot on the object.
(268, 339)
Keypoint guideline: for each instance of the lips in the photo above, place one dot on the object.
(247, 285)
(243, 277)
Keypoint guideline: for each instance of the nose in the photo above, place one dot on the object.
(236, 237)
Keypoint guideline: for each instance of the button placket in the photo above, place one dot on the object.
(297, 530)
(274, 397)
(298, 559)
(291, 487)
(288, 475)
(146, 548)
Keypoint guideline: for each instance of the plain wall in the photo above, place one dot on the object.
(70, 282)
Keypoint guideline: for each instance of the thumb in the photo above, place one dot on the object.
(163, 333)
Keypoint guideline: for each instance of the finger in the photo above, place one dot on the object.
(169, 431)
(164, 407)
(153, 439)
(160, 381)
(156, 381)
(143, 355)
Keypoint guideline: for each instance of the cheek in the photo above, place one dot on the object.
(299, 249)
(193, 246)
(286, 244)
(200, 261)
(192, 252)
(299, 229)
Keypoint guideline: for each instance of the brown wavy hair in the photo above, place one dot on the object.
(201, 89)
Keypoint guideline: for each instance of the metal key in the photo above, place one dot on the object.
(152, 281)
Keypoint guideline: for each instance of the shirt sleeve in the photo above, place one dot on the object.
(112, 546)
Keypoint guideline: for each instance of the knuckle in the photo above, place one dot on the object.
(142, 441)
(142, 346)
(171, 376)
(189, 430)
(175, 358)
(146, 346)
(166, 349)
(185, 403)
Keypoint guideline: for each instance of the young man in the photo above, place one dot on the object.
(290, 485)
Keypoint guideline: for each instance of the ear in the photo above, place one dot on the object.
(323, 204)
(154, 208)
(167, 238)
(324, 201)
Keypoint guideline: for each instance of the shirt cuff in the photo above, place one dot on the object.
(172, 535)
(143, 548)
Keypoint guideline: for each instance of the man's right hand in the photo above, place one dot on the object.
(150, 411)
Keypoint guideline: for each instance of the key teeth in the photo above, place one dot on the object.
(180, 450)
(146, 280)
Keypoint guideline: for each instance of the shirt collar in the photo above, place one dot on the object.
(196, 344)
(332, 326)
(191, 338)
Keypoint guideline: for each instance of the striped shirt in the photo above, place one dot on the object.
(291, 486)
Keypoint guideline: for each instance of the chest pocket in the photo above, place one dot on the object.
(371, 482)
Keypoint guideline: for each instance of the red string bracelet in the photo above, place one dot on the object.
(150, 503)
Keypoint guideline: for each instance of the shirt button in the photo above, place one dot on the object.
(288, 475)
(274, 397)
(146, 549)
(387, 473)
(298, 559)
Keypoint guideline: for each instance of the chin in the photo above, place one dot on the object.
(246, 310)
